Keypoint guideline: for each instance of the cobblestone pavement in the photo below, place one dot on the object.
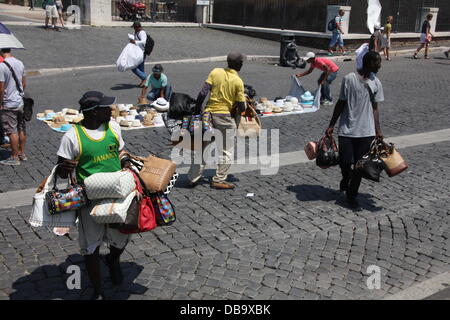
(293, 240)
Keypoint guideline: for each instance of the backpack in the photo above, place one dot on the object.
(149, 44)
(332, 24)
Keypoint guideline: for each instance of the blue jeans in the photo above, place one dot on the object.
(325, 91)
(140, 70)
(336, 38)
(156, 93)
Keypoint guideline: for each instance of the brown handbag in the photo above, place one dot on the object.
(248, 123)
(156, 173)
(394, 163)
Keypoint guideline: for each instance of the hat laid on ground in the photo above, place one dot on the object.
(309, 55)
(161, 105)
(307, 98)
(93, 99)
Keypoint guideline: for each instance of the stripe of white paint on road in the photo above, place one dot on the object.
(24, 197)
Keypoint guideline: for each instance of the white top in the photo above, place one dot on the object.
(69, 148)
(360, 53)
(143, 39)
(12, 98)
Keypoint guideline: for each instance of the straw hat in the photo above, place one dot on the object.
(72, 112)
(59, 120)
(148, 120)
(124, 123)
(40, 115)
(161, 104)
(136, 123)
(123, 113)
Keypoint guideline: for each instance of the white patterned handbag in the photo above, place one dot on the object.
(40, 216)
(112, 210)
(110, 185)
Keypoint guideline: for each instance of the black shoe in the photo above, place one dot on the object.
(446, 54)
(97, 296)
(353, 203)
(343, 186)
(115, 272)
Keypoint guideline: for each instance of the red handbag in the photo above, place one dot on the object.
(141, 215)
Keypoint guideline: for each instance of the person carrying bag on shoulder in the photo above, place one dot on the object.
(359, 122)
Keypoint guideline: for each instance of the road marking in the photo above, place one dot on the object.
(424, 289)
(24, 197)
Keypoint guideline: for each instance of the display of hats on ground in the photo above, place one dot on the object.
(128, 116)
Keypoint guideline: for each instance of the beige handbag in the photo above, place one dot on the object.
(393, 162)
(248, 124)
(156, 173)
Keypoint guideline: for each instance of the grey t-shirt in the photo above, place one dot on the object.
(12, 98)
(356, 120)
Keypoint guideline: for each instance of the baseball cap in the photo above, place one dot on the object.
(157, 68)
(236, 57)
(309, 55)
(93, 99)
(136, 24)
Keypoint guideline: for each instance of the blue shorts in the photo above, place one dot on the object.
(336, 38)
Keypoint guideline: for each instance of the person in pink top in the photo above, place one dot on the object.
(329, 74)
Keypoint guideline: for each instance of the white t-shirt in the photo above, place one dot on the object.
(69, 148)
(12, 98)
(140, 42)
(360, 53)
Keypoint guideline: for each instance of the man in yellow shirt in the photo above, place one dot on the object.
(226, 91)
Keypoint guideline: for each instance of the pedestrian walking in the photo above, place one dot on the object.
(359, 121)
(79, 151)
(12, 77)
(386, 40)
(158, 84)
(140, 39)
(337, 33)
(31, 4)
(377, 38)
(425, 37)
(51, 11)
(60, 7)
(329, 73)
(226, 91)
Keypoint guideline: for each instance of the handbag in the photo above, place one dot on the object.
(165, 212)
(394, 163)
(40, 214)
(28, 102)
(112, 210)
(70, 199)
(141, 215)
(370, 165)
(156, 173)
(327, 153)
(311, 150)
(110, 185)
(248, 123)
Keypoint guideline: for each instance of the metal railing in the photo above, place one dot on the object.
(153, 10)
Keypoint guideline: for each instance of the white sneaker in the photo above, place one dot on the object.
(327, 103)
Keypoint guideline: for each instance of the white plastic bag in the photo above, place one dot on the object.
(130, 58)
(40, 216)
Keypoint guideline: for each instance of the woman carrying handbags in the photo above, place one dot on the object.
(359, 122)
(88, 148)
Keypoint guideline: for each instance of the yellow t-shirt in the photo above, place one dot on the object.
(227, 89)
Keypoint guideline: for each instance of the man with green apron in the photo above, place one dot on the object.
(94, 146)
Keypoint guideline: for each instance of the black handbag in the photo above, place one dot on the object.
(371, 165)
(28, 102)
(327, 153)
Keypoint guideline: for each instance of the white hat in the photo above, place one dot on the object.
(309, 55)
(161, 105)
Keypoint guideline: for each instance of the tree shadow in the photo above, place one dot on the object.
(310, 193)
(49, 282)
(124, 86)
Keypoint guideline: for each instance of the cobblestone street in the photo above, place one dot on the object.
(294, 239)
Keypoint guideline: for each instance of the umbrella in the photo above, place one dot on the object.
(8, 40)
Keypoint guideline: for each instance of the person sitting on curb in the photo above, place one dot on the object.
(158, 82)
(329, 74)
(227, 93)
(95, 137)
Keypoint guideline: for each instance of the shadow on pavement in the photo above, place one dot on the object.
(49, 282)
(124, 86)
(4, 154)
(307, 192)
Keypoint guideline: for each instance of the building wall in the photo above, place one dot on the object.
(310, 15)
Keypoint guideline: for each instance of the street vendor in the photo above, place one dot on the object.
(96, 137)
(329, 74)
(158, 84)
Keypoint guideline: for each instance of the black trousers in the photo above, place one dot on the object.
(350, 151)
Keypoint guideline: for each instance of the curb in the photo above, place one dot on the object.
(253, 58)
